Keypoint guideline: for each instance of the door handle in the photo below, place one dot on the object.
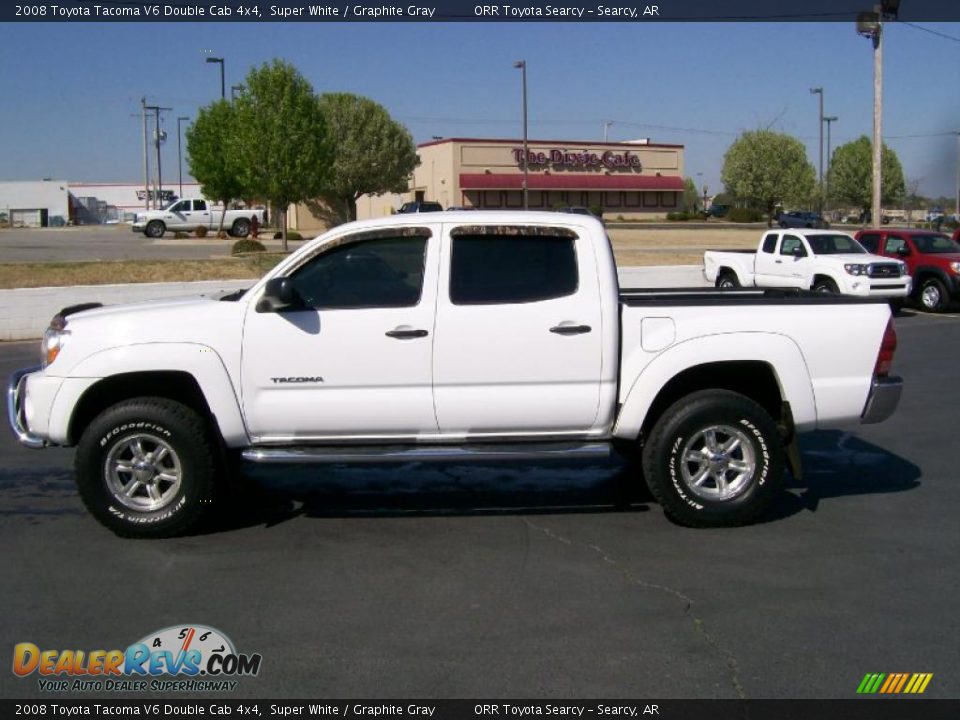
(405, 334)
(778, 262)
(570, 329)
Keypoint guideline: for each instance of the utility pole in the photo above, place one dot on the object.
(819, 91)
(606, 128)
(180, 153)
(156, 113)
(957, 211)
(875, 211)
(146, 156)
(522, 66)
(826, 184)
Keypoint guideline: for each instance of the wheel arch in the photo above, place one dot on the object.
(771, 371)
(192, 374)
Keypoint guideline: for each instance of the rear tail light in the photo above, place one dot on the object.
(887, 347)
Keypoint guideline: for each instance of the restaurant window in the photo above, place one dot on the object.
(612, 199)
(492, 199)
(668, 199)
(650, 200)
(631, 199)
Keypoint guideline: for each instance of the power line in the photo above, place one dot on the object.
(928, 30)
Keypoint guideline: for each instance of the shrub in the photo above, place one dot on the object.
(677, 216)
(201, 231)
(596, 210)
(181, 235)
(246, 245)
(744, 215)
(291, 235)
(951, 224)
(222, 235)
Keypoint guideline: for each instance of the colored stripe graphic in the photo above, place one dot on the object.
(894, 683)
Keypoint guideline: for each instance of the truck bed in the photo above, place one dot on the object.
(736, 296)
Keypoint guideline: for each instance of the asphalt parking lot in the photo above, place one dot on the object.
(518, 581)
(110, 242)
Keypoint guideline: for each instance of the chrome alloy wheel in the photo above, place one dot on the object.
(930, 296)
(143, 472)
(718, 462)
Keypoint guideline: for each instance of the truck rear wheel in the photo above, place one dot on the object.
(714, 459)
(155, 229)
(241, 228)
(145, 468)
(727, 279)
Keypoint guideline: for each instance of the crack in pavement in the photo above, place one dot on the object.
(728, 657)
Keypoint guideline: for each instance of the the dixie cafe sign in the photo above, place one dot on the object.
(560, 158)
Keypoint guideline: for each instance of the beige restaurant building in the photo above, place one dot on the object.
(633, 179)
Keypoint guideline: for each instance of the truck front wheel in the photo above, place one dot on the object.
(155, 229)
(714, 459)
(933, 295)
(145, 468)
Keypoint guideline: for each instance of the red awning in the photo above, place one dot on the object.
(538, 181)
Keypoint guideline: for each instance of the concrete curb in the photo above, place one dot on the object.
(26, 312)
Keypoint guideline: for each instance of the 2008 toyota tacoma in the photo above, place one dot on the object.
(456, 335)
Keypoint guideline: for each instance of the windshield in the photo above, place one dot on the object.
(834, 245)
(935, 244)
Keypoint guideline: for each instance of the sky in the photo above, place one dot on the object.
(70, 92)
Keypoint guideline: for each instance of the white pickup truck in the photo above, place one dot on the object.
(450, 336)
(820, 260)
(187, 214)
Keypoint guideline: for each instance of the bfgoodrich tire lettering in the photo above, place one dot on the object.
(714, 459)
(145, 468)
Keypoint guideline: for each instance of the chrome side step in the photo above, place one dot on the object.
(324, 454)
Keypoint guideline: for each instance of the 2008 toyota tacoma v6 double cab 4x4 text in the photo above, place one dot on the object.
(456, 335)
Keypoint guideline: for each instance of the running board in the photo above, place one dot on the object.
(322, 454)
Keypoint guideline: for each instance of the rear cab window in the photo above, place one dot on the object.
(770, 243)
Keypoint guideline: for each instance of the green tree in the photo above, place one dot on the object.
(372, 153)
(212, 156)
(851, 174)
(766, 168)
(691, 198)
(282, 138)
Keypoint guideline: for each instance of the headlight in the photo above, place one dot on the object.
(856, 269)
(955, 268)
(53, 340)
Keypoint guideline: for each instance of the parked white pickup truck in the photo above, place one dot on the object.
(189, 213)
(451, 336)
(820, 260)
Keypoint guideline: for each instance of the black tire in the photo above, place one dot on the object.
(727, 279)
(241, 228)
(155, 229)
(933, 296)
(109, 441)
(826, 286)
(672, 479)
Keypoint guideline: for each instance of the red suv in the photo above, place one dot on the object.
(932, 258)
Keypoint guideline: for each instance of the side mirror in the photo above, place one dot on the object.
(280, 295)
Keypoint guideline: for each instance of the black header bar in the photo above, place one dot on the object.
(469, 11)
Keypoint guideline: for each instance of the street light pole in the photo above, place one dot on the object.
(826, 184)
(179, 152)
(522, 66)
(606, 129)
(819, 91)
(223, 86)
(958, 176)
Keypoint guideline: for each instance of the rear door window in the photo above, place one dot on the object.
(492, 269)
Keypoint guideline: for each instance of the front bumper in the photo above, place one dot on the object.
(874, 288)
(138, 227)
(883, 400)
(15, 411)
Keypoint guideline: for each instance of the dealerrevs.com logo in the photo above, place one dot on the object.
(180, 658)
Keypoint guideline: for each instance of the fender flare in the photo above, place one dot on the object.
(780, 352)
(200, 361)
